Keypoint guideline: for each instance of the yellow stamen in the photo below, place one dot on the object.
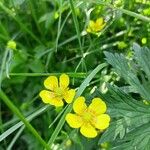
(88, 116)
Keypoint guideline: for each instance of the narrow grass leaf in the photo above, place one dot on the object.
(9, 103)
(19, 124)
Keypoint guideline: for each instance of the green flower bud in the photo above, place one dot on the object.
(11, 44)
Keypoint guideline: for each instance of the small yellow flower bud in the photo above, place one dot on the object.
(146, 102)
(144, 40)
(105, 146)
(11, 44)
(121, 45)
(56, 15)
(68, 143)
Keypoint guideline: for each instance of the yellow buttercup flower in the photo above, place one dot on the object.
(89, 119)
(57, 92)
(96, 26)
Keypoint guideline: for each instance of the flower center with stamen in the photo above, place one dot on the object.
(59, 92)
(87, 116)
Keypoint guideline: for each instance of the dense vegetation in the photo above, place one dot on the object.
(108, 58)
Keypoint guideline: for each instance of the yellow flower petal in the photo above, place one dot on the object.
(96, 26)
(49, 97)
(102, 121)
(69, 95)
(91, 24)
(64, 81)
(73, 120)
(46, 96)
(57, 102)
(79, 105)
(88, 30)
(99, 21)
(51, 83)
(88, 131)
(101, 27)
(98, 106)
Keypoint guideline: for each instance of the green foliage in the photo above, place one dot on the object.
(135, 72)
(130, 127)
(130, 123)
(51, 39)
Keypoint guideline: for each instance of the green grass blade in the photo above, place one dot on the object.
(75, 75)
(58, 116)
(69, 108)
(22, 26)
(15, 138)
(8, 102)
(3, 65)
(133, 14)
(19, 124)
(59, 25)
(33, 12)
(76, 23)
(127, 12)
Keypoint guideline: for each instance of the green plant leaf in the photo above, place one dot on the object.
(128, 115)
(128, 70)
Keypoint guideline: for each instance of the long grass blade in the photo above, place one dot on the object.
(15, 110)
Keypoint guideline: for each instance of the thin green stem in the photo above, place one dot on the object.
(59, 25)
(1, 78)
(59, 45)
(57, 117)
(133, 14)
(9, 103)
(76, 23)
(128, 12)
(31, 5)
(20, 123)
(76, 75)
(59, 126)
(60, 30)
(3, 65)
